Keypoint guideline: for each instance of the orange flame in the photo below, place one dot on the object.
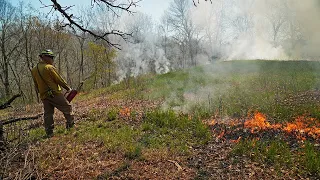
(257, 122)
(125, 112)
(304, 126)
(212, 122)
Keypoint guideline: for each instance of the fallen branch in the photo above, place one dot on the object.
(7, 104)
(9, 121)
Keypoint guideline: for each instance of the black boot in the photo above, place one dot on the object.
(69, 125)
(49, 133)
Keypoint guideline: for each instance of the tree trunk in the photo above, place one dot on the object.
(5, 66)
(81, 71)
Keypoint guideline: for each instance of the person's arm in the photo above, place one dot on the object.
(36, 87)
(58, 79)
(35, 82)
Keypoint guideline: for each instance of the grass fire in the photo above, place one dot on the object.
(302, 127)
(213, 121)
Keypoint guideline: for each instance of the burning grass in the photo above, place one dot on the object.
(282, 146)
(302, 128)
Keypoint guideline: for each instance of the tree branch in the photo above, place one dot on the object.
(7, 104)
(125, 7)
(194, 3)
(104, 36)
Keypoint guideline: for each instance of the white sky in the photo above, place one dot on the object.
(154, 8)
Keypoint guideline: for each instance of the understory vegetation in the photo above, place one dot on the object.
(161, 122)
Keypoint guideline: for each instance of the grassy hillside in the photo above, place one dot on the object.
(280, 89)
(160, 127)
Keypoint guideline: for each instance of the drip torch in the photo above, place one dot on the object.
(69, 96)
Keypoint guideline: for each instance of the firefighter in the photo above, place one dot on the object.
(48, 84)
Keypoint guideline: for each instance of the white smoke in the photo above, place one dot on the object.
(308, 14)
(260, 29)
(254, 48)
(162, 64)
(139, 55)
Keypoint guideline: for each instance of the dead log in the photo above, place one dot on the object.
(13, 120)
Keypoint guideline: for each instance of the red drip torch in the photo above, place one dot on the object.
(73, 93)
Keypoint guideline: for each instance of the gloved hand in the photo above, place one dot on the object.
(67, 92)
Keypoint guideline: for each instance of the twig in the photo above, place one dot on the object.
(177, 164)
(26, 158)
(194, 3)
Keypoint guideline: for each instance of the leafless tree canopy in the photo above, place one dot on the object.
(110, 5)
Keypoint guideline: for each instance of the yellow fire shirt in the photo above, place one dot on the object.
(51, 77)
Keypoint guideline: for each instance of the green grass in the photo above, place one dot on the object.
(278, 154)
(36, 134)
(159, 129)
(273, 152)
(175, 131)
(236, 87)
(311, 159)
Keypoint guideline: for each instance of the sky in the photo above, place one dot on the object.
(154, 8)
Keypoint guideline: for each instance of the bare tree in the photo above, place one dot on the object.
(213, 25)
(277, 15)
(243, 20)
(163, 31)
(9, 40)
(184, 28)
(86, 19)
(29, 50)
(140, 27)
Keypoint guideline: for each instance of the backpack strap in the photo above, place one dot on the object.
(50, 93)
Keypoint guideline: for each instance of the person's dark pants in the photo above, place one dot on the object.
(59, 102)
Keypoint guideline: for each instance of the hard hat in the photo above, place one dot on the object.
(47, 52)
